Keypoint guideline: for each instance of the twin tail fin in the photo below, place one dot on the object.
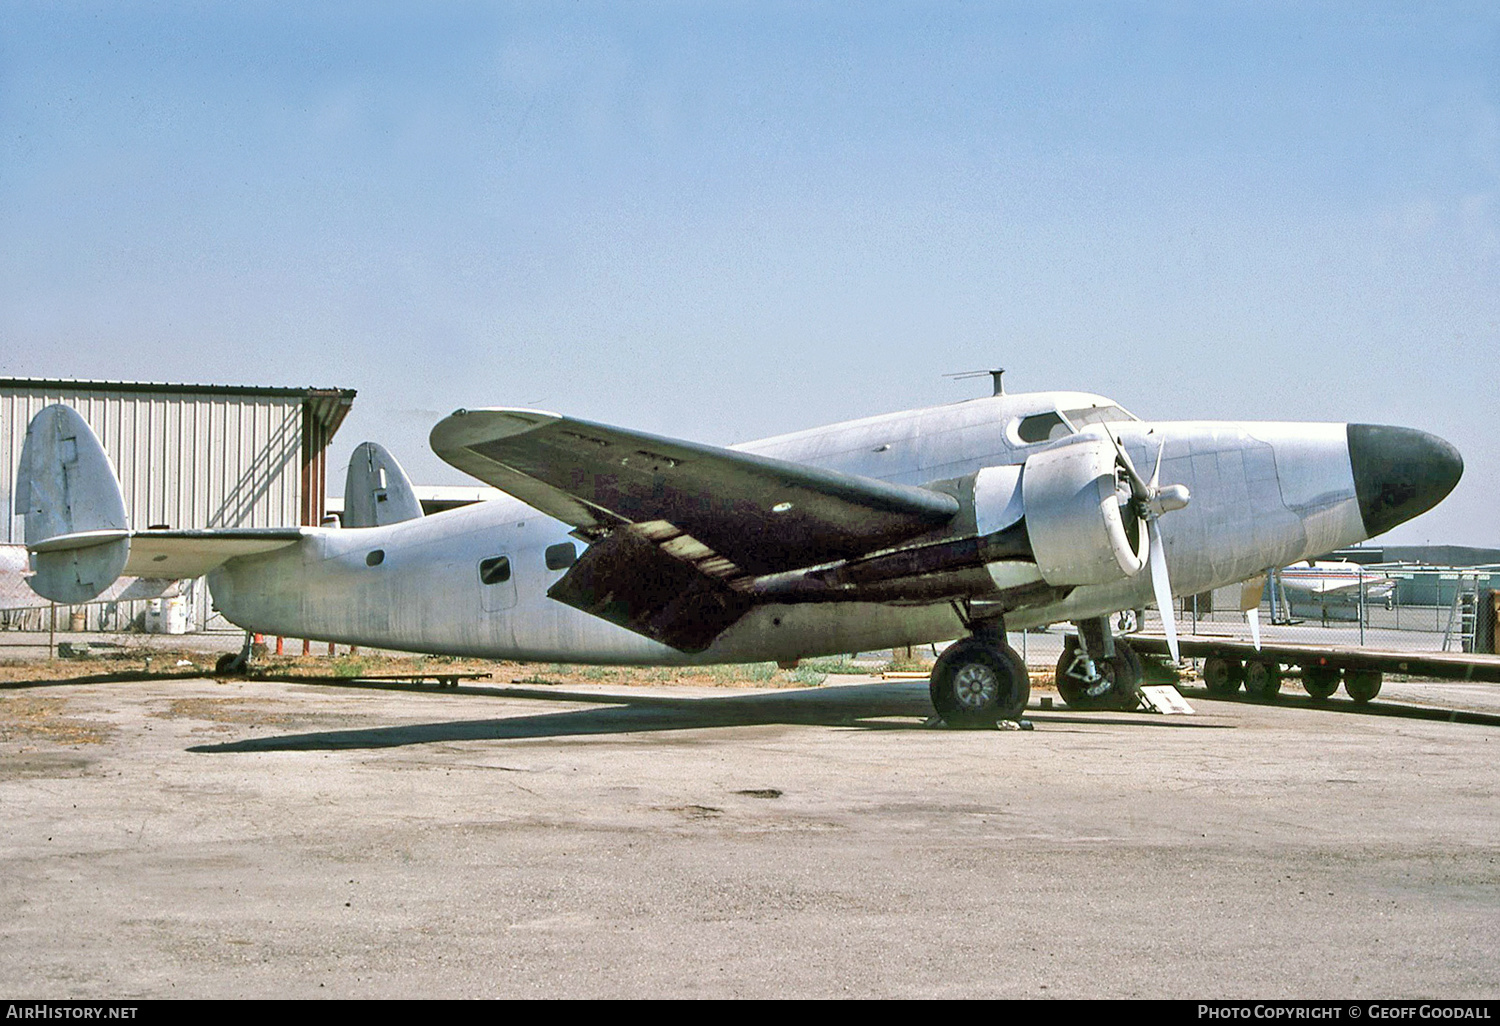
(66, 489)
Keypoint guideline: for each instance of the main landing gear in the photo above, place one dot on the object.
(980, 680)
(232, 663)
(1097, 671)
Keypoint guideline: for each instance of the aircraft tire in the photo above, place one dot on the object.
(1222, 676)
(1320, 681)
(229, 663)
(1128, 687)
(1122, 681)
(976, 683)
(1262, 680)
(1362, 685)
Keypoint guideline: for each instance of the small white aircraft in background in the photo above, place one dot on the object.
(959, 521)
(1328, 578)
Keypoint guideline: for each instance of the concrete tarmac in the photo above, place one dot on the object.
(259, 839)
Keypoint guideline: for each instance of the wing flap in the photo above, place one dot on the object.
(761, 514)
(631, 579)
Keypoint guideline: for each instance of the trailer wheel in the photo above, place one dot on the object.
(1362, 685)
(1222, 676)
(1320, 681)
(1262, 679)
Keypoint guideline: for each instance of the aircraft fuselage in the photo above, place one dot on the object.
(1262, 495)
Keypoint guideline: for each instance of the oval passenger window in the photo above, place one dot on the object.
(561, 556)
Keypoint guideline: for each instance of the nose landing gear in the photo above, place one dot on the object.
(1097, 671)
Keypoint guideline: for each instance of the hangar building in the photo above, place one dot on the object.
(189, 456)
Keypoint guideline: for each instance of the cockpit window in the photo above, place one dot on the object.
(1040, 427)
(1096, 415)
(1052, 425)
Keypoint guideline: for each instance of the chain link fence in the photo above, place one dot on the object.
(1418, 609)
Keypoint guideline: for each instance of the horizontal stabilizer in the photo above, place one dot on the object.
(175, 555)
(15, 594)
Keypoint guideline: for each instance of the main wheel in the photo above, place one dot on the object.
(229, 663)
(1362, 685)
(1320, 681)
(1118, 686)
(1262, 679)
(978, 682)
(1222, 676)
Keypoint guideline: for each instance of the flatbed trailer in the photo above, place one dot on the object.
(1230, 662)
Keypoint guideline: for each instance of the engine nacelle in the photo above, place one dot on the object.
(1077, 528)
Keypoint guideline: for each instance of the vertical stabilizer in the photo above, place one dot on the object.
(76, 528)
(377, 491)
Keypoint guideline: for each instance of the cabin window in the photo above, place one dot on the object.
(561, 556)
(495, 570)
(375, 557)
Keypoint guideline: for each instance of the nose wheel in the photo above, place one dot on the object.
(1115, 684)
(979, 681)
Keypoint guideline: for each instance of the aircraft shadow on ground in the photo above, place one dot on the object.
(865, 707)
(621, 713)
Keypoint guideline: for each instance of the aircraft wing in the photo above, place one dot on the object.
(761, 514)
(679, 529)
(1315, 586)
(177, 555)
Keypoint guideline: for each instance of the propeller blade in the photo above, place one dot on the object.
(1162, 587)
(1252, 617)
(1156, 471)
(1138, 486)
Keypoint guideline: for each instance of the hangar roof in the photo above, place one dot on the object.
(328, 406)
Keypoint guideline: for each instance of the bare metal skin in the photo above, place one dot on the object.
(1262, 495)
(961, 521)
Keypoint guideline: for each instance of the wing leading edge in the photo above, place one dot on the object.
(764, 515)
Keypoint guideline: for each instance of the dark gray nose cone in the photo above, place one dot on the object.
(1399, 473)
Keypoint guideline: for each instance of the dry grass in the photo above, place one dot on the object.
(102, 662)
(26, 717)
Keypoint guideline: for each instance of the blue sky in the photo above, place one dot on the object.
(722, 221)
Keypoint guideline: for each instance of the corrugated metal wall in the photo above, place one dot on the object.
(185, 459)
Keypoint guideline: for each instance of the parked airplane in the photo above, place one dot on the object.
(1327, 578)
(16, 596)
(958, 521)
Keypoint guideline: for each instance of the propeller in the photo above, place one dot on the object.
(1149, 500)
(1251, 592)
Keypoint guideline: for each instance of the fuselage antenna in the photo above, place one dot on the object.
(996, 375)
